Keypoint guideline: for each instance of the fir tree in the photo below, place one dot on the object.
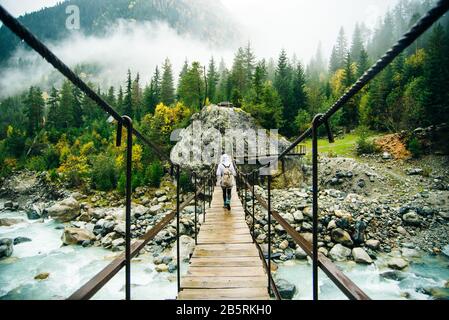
(167, 85)
(127, 100)
(212, 80)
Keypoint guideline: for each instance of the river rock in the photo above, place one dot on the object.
(7, 222)
(298, 216)
(438, 293)
(64, 211)
(412, 218)
(341, 236)
(359, 232)
(76, 236)
(300, 253)
(410, 253)
(6, 247)
(117, 243)
(20, 240)
(155, 209)
(42, 276)
(373, 244)
(161, 267)
(360, 256)
(187, 245)
(283, 245)
(32, 214)
(107, 239)
(394, 275)
(339, 253)
(286, 289)
(397, 263)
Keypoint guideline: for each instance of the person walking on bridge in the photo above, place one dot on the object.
(225, 175)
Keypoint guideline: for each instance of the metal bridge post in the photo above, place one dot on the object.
(204, 201)
(246, 194)
(269, 234)
(129, 152)
(196, 214)
(315, 126)
(178, 262)
(254, 197)
(210, 190)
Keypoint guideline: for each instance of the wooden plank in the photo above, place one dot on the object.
(225, 272)
(224, 294)
(189, 282)
(225, 262)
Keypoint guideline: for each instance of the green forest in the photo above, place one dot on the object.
(63, 132)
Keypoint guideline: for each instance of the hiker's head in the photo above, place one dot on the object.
(225, 158)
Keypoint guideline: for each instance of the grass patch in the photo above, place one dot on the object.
(344, 146)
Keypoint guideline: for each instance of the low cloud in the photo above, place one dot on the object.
(139, 46)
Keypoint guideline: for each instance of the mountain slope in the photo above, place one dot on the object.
(206, 20)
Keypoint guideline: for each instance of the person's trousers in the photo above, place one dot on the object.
(226, 191)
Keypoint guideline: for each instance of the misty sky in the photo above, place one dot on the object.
(270, 25)
(296, 25)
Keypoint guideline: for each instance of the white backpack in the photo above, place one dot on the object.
(227, 177)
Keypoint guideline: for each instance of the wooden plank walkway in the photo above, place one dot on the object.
(225, 264)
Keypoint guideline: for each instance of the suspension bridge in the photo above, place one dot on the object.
(227, 262)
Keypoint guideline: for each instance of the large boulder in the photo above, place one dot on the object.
(7, 222)
(339, 253)
(286, 289)
(6, 247)
(187, 245)
(76, 236)
(341, 236)
(397, 263)
(64, 211)
(359, 232)
(373, 244)
(360, 256)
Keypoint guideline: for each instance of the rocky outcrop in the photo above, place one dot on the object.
(76, 236)
(286, 289)
(360, 256)
(65, 210)
(6, 248)
(339, 253)
(397, 263)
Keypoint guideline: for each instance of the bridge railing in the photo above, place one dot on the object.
(319, 260)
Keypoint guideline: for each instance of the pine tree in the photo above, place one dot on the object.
(249, 59)
(127, 100)
(283, 85)
(239, 73)
(341, 48)
(362, 63)
(357, 43)
(212, 81)
(136, 97)
(183, 72)
(260, 77)
(76, 108)
(333, 62)
(191, 89)
(53, 109)
(437, 77)
(349, 115)
(67, 102)
(223, 94)
(111, 97)
(167, 85)
(120, 100)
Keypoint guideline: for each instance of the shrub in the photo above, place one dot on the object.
(51, 158)
(104, 173)
(53, 175)
(36, 164)
(415, 147)
(185, 183)
(364, 146)
(154, 174)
